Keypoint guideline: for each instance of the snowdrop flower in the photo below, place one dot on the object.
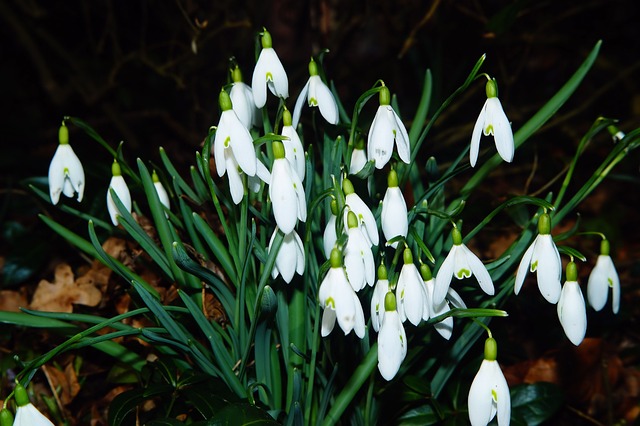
(460, 263)
(293, 150)
(66, 174)
(571, 307)
(380, 290)
(358, 258)
(232, 135)
(329, 237)
(432, 310)
(358, 158)
(162, 193)
(119, 186)
(286, 192)
(394, 217)
(318, 95)
(262, 175)
(242, 102)
(339, 300)
(543, 258)
(385, 129)
(489, 393)
(26, 413)
(392, 340)
(492, 121)
(362, 211)
(290, 257)
(410, 291)
(603, 276)
(268, 72)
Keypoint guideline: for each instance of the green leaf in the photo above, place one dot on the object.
(535, 403)
(241, 414)
(123, 404)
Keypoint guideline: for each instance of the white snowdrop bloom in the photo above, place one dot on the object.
(432, 310)
(489, 392)
(394, 218)
(232, 135)
(602, 277)
(362, 211)
(358, 158)
(543, 258)
(119, 186)
(66, 175)
(460, 263)
(242, 101)
(286, 192)
(572, 311)
(386, 129)
(392, 340)
(410, 291)
(318, 95)
(262, 175)
(492, 121)
(268, 72)
(293, 150)
(380, 290)
(26, 413)
(162, 193)
(358, 258)
(329, 237)
(290, 257)
(339, 300)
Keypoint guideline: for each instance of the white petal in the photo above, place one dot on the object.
(523, 267)
(394, 217)
(240, 141)
(377, 303)
(358, 161)
(392, 345)
(364, 216)
(243, 103)
(66, 174)
(475, 136)
(28, 415)
(122, 191)
(283, 196)
(329, 237)
(572, 312)
(297, 109)
(280, 80)
(413, 295)
(479, 270)
(328, 321)
(380, 139)
(444, 327)
(546, 261)
(293, 150)
(259, 80)
(300, 258)
(56, 176)
(326, 102)
(444, 276)
(236, 186)
(455, 299)
(489, 383)
(162, 195)
(220, 142)
(603, 276)
(502, 133)
(301, 199)
(403, 144)
(285, 259)
(359, 326)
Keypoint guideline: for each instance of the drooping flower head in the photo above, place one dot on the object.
(572, 311)
(362, 211)
(410, 291)
(358, 257)
(432, 310)
(460, 263)
(119, 186)
(394, 217)
(377, 299)
(290, 257)
(543, 258)
(286, 192)
(358, 157)
(489, 393)
(268, 72)
(392, 340)
(386, 129)
(604, 276)
(293, 150)
(329, 236)
(492, 121)
(162, 193)
(242, 101)
(26, 413)
(317, 95)
(66, 175)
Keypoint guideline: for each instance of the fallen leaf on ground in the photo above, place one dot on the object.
(11, 300)
(60, 295)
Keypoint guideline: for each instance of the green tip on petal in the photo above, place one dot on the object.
(20, 394)
(278, 149)
(572, 271)
(266, 40)
(347, 187)
(6, 418)
(456, 235)
(154, 177)
(286, 118)
(335, 259)
(352, 220)
(224, 100)
(385, 96)
(544, 224)
(313, 68)
(490, 349)
(334, 207)
(407, 256)
(492, 89)
(360, 143)
(392, 179)
(605, 247)
(382, 272)
(115, 169)
(236, 75)
(389, 302)
(425, 272)
(63, 134)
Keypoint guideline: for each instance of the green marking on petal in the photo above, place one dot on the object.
(227, 141)
(330, 302)
(494, 395)
(488, 130)
(66, 170)
(463, 273)
(534, 266)
(269, 76)
(313, 102)
(610, 281)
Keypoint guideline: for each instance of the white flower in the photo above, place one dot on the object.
(242, 101)
(329, 237)
(290, 257)
(362, 211)
(232, 135)
(262, 175)
(460, 263)
(162, 193)
(339, 300)
(286, 192)
(432, 310)
(318, 95)
(293, 150)
(394, 217)
(26, 413)
(119, 186)
(392, 340)
(66, 174)
(268, 72)
(603, 276)
(492, 121)
(542, 256)
(385, 129)
(410, 291)
(358, 158)
(377, 298)
(489, 393)
(358, 258)
(572, 311)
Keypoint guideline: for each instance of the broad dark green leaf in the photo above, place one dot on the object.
(535, 403)
(127, 401)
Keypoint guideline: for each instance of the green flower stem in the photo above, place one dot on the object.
(297, 328)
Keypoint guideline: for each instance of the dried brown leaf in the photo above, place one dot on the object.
(60, 295)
